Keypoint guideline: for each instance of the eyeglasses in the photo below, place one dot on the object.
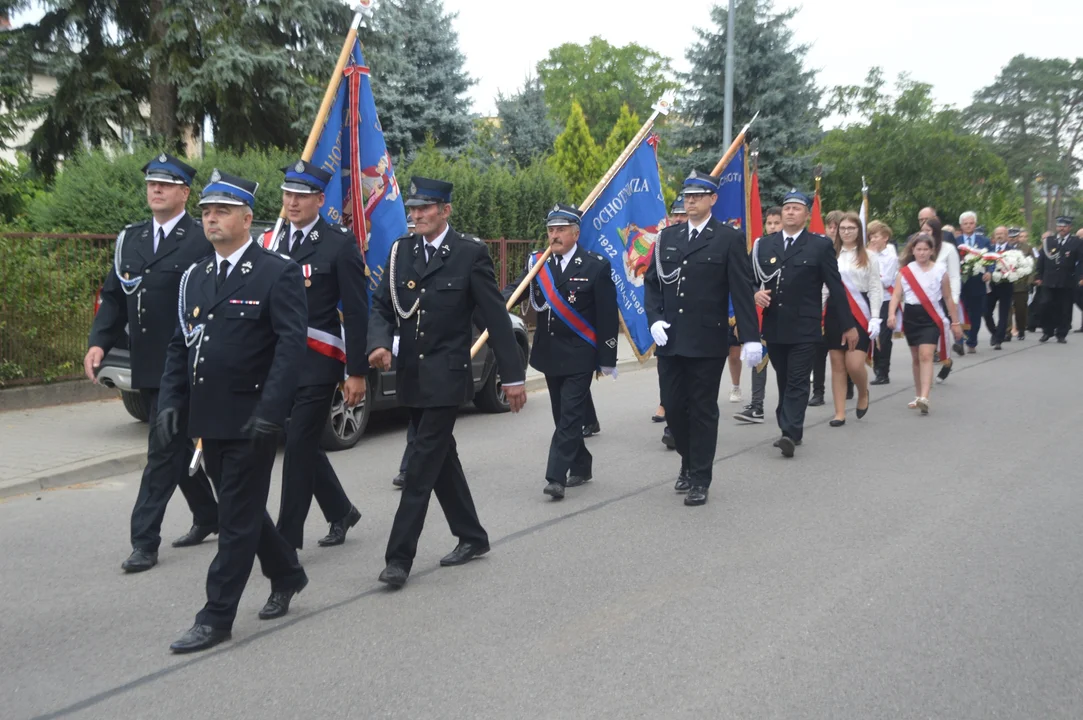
(848, 229)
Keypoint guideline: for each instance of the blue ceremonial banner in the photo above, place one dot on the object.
(730, 206)
(622, 227)
(363, 194)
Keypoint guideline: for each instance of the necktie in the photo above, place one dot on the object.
(158, 240)
(692, 236)
(430, 250)
(223, 271)
(295, 242)
(788, 243)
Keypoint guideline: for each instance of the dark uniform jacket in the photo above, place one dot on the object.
(587, 286)
(253, 347)
(796, 311)
(433, 364)
(696, 305)
(151, 311)
(1063, 267)
(331, 263)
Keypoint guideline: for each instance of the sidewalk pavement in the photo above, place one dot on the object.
(87, 441)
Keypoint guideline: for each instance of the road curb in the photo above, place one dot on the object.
(33, 397)
(537, 382)
(98, 468)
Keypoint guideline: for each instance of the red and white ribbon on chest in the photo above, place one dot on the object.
(306, 270)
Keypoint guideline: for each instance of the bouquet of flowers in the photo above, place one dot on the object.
(1013, 265)
(971, 262)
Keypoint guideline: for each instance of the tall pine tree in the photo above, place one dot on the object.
(769, 76)
(577, 158)
(623, 132)
(418, 76)
(527, 129)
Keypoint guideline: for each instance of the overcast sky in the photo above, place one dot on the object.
(958, 46)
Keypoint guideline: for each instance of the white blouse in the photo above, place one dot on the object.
(949, 260)
(865, 279)
(889, 267)
(931, 283)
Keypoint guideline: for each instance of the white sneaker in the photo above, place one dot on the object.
(735, 394)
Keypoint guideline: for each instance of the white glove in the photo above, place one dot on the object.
(395, 347)
(658, 332)
(874, 328)
(610, 372)
(752, 353)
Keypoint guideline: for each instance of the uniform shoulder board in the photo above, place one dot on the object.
(596, 256)
(342, 229)
(472, 239)
(141, 223)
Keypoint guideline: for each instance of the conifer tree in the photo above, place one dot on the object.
(623, 132)
(577, 158)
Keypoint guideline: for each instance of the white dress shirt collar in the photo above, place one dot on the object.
(166, 227)
(439, 238)
(233, 259)
(698, 228)
(567, 257)
(304, 230)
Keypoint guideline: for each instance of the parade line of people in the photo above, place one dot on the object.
(230, 336)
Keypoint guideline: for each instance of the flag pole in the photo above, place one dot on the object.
(662, 107)
(364, 10)
(734, 146)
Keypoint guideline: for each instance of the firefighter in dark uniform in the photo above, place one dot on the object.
(697, 266)
(791, 268)
(435, 280)
(141, 292)
(331, 264)
(573, 340)
(233, 364)
(1059, 275)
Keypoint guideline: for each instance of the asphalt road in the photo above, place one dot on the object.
(899, 567)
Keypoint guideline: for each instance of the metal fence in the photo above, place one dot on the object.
(48, 291)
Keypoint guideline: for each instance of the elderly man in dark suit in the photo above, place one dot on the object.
(792, 266)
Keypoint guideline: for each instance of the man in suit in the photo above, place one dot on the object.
(1060, 274)
(435, 281)
(233, 364)
(792, 266)
(334, 272)
(1000, 293)
(697, 266)
(141, 292)
(576, 303)
(973, 291)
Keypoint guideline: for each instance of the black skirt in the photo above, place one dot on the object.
(919, 328)
(833, 331)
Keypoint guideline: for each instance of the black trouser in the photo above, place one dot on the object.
(433, 467)
(569, 396)
(881, 352)
(690, 397)
(973, 300)
(241, 473)
(1036, 310)
(792, 364)
(166, 469)
(819, 369)
(590, 417)
(411, 433)
(1001, 297)
(1058, 311)
(759, 386)
(306, 471)
(990, 315)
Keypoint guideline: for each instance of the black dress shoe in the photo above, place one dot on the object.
(139, 561)
(195, 536)
(684, 482)
(1045, 337)
(958, 348)
(697, 495)
(833, 423)
(816, 400)
(278, 604)
(199, 637)
(778, 443)
(1007, 338)
(668, 439)
(464, 552)
(881, 380)
(554, 490)
(394, 575)
(862, 412)
(786, 445)
(337, 534)
(1023, 335)
(997, 346)
(658, 418)
(399, 480)
(945, 370)
(577, 480)
(591, 430)
(1062, 341)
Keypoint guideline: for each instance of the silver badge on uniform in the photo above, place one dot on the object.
(246, 267)
(216, 176)
(314, 235)
(162, 158)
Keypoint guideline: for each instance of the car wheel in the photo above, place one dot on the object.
(492, 398)
(345, 426)
(135, 405)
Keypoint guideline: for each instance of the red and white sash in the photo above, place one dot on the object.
(934, 310)
(859, 306)
(333, 346)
